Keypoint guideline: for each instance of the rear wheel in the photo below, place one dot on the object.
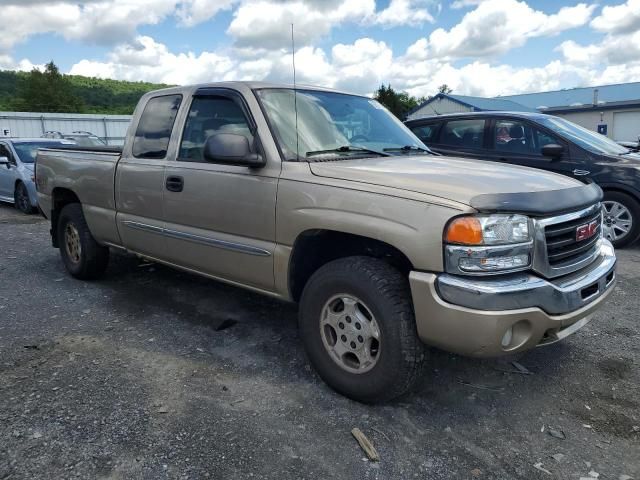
(83, 257)
(358, 328)
(621, 218)
(21, 198)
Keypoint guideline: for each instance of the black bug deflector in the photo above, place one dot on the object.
(542, 203)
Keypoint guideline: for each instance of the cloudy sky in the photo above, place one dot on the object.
(477, 47)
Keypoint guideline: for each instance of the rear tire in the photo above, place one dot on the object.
(383, 357)
(621, 212)
(21, 199)
(83, 257)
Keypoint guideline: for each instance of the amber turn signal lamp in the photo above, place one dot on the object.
(464, 231)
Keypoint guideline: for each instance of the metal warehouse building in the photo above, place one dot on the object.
(613, 110)
(111, 128)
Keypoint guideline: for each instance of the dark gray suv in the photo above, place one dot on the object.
(549, 143)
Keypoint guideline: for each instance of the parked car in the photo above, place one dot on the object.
(633, 146)
(17, 156)
(549, 143)
(324, 198)
(81, 138)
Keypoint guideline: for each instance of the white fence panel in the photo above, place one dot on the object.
(111, 128)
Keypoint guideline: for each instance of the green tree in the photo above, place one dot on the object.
(444, 88)
(398, 103)
(47, 91)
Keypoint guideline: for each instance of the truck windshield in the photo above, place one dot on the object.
(27, 150)
(587, 139)
(331, 124)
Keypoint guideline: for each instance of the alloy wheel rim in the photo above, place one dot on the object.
(72, 243)
(350, 333)
(618, 220)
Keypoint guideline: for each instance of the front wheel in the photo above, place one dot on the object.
(83, 257)
(621, 218)
(21, 198)
(358, 328)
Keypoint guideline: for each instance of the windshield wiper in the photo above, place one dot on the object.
(348, 149)
(408, 148)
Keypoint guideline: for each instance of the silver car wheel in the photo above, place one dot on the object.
(72, 243)
(618, 220)
(350, 333)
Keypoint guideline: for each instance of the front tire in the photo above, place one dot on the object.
(83, 257)
(21, 199)
(358, 329)
(621, 218)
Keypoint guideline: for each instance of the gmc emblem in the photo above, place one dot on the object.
(586, 231)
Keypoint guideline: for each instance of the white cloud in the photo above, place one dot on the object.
(358, 67)
(24, 65)
(149, 60)
(99, 21)
(405, 12)
(458, 4)
(192, 12)
(614, 50)
(619, 19)
(617, 55)
(497, 26)
(266, 24)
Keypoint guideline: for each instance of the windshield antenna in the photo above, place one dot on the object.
(295, 93)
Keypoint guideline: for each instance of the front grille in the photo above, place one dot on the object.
(562, 246)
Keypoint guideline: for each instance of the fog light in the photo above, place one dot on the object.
(507, 337)
(494, 264)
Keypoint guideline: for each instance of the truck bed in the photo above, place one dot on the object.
(86, 173)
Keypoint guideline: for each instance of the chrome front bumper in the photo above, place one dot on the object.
(523, 290)
(489, 317)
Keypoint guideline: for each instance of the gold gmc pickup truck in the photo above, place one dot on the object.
(325, 199)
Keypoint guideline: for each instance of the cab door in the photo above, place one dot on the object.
(220, 219)
(7, 174)
(140, 177)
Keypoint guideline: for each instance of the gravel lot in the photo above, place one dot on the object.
(153, 373)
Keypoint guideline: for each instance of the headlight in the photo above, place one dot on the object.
(488, 230)
(478, 244)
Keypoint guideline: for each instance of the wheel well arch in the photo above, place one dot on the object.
(314, 248)
(61, 197)
(627, 191)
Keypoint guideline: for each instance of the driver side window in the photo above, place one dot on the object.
(209, 116)
(516, 136)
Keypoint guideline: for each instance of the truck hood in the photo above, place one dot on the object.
(452, 178)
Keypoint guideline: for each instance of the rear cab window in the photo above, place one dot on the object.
(466, 133)
(155, 126)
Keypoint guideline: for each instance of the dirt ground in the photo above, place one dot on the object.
(152, 373)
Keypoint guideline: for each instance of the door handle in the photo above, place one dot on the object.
(174, 184)
(581, 173)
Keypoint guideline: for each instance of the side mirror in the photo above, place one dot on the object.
(231, 149)
(5, 161)
(553, 150)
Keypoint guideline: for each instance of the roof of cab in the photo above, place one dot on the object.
(252, 85)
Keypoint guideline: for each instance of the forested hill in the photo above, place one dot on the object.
(89, 95)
